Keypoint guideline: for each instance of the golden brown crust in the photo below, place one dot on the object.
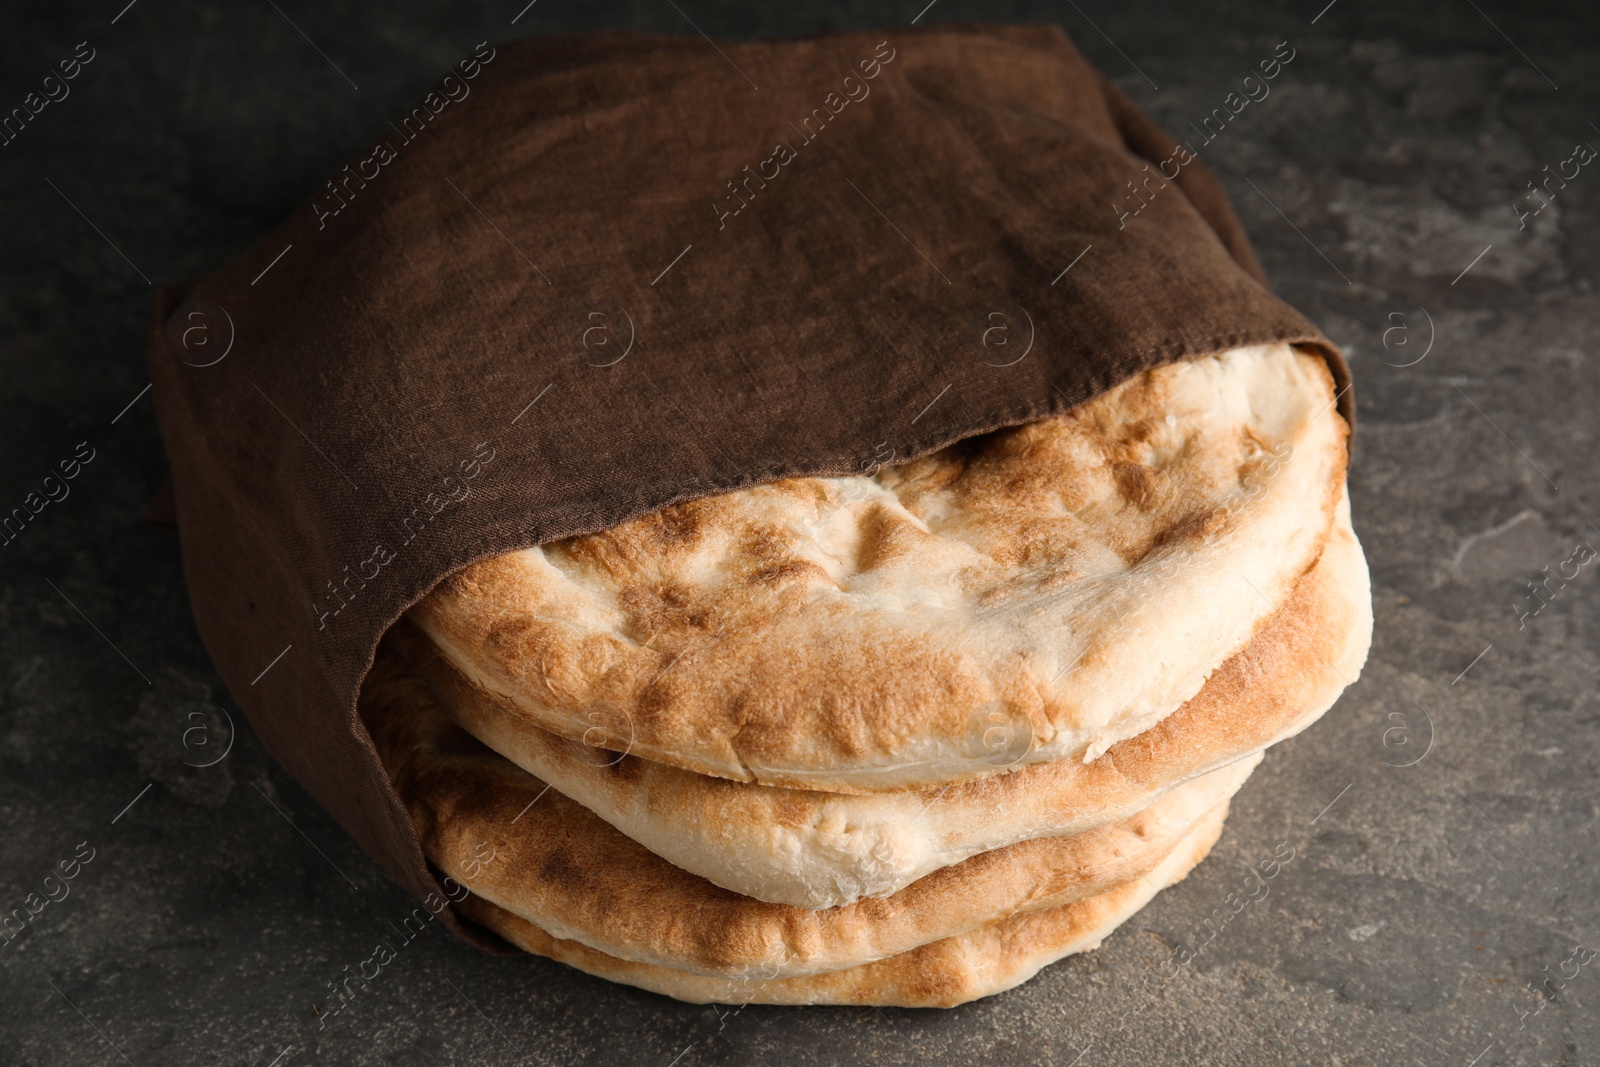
(940, 974)
(985, 606)
(534, 852)
(817, 849)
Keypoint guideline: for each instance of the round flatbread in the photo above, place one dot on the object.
(940, 974)
(816, 849)
(1034, 594)
(526, 848)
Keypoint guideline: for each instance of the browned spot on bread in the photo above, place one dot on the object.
(677, 528)
(556, 868)
(1196, 526)
(791, 811)
(794, 570)
(765, 545)
(667, 608)
(887, 537)
(608, 553)
(625, 771)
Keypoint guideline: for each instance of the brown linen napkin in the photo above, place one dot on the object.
(591, 276)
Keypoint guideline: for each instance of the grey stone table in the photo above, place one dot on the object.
(1442, 817)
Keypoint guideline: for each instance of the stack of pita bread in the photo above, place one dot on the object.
(902, 738)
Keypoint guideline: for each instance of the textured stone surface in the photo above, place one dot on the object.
(1419, 908)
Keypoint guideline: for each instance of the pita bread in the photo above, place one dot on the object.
(819, 850)
(518, 844)
(1033, 594)
(940, 974)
